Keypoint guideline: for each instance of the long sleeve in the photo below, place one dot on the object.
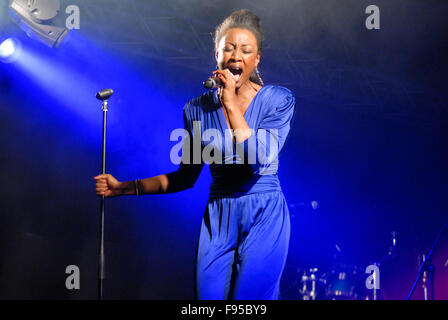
(262, 149)
(189, 169)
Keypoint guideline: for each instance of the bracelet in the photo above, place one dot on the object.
(137, 187)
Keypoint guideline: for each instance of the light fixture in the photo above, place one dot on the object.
(36, 18)
(9, 50)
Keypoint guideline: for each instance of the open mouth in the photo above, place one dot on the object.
(237, 72)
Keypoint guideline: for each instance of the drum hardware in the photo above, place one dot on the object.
(312, 285)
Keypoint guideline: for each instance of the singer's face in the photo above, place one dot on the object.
(238, 52)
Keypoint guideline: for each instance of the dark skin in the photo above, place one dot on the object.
(238, 48)
(237, 56)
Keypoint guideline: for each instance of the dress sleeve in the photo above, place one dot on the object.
(188, 171)
(262, 148)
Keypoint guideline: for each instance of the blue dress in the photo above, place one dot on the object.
(243, 242)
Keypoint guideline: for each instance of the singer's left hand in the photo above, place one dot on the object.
(226, 93)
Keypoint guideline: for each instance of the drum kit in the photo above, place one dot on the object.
(348, 281)
(340, 281)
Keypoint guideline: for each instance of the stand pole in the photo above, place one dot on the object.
(101, 267)
(103, 96)
(428, 267)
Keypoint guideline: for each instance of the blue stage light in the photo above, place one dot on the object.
(9, 50)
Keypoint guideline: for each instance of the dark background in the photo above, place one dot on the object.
(369, 142)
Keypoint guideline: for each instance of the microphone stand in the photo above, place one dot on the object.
(103, 96)
(428, 267)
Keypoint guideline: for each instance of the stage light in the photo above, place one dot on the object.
(9, 50)
(36, 18)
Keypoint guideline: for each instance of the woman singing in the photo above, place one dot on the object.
(243, 242)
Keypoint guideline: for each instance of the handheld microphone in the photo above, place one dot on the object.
(212, 83)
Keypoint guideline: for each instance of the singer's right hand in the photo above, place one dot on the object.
(107, 186)
(227, 95)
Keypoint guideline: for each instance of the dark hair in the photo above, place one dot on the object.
(243, 19)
